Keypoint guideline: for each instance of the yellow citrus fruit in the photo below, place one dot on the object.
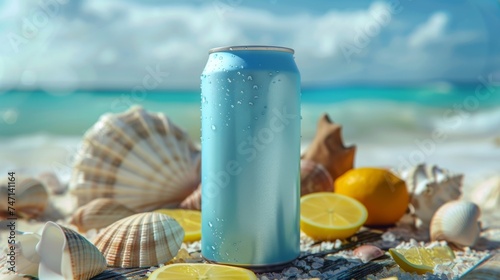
(191, 271)
(382, 193)
(190, 221)
(330, 216)
(421, 260)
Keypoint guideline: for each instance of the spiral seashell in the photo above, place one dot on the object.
(28, 196)
(193, 201)
(138, 158)
(430, 187)
(314, 178)
(367, 253)
(99, 213)
(456, 222)
(140, 240)
(65, 254)
(327, 148)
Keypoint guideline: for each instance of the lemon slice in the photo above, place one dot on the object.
(190, 221)
(330, 216)
(421, 260)
(188, 271)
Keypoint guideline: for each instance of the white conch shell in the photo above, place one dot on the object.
(99, 213)
(26, 258)
(141, 240)
(65, 254)
(30, 199)
(430, 187)
(138, 158)
(456, 222)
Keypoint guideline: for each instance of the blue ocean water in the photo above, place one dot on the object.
(360, 109)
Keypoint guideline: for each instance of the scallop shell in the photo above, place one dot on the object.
(65, 254)
(430, 187)
(141, 240)
(26, 258)
(99, 213)
(327, 148)
(456, 222)
(368, 252)
(29, 199)
(193, 201)
(314, 178)
(140, 159)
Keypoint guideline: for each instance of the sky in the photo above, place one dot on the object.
(75, 44)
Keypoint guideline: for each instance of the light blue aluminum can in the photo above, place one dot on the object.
(250, 105)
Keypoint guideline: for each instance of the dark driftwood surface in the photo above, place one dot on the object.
(357, 272)
(488, 267)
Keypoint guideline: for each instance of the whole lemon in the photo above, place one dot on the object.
(382, 193)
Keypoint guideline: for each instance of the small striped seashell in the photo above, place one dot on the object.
(314, 178)
(65, 254)
(456, 222)
(28, 196)
(140, 159)
(99, 213)
(193, 201)
(141, 240)
(367, 253)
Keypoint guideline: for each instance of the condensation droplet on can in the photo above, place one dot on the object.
(249, 78)
(213, 128)
(229, 80)
(256, 87)
(250, 103)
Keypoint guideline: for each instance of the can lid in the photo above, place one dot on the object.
(251, 48)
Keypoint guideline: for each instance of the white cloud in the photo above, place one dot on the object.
(430, 31)
(110, 43)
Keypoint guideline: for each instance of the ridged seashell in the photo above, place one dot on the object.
(99, 213)
(29, 200)
(314, 178)
(26, 258)
(193, 201)
(367, 252)
(430, 187)
(456, 222)
(52, 182)
(138, 158)
(327, 148)
(141, 240)
(65, 254)
(488, 270)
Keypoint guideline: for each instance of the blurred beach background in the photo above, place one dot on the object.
(409, 81)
